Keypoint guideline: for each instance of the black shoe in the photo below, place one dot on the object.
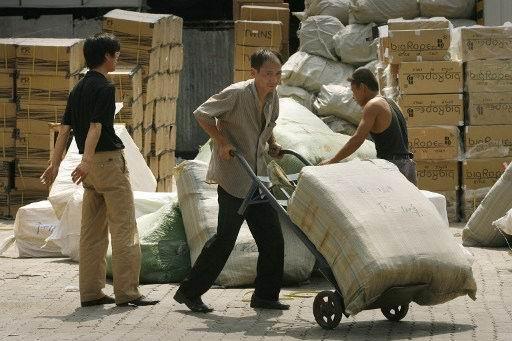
(261, 303)
(194, 304)
(100, 301)
(141, 301)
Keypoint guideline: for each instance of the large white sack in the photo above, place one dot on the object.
(316, 36)
(505, 223)
(337, 100)
(379, 11)
(141, 177)
(439, 202)
(67, 235)
(303, 97)
(339, 125)
(447, 8)
(311, 72)
(34, 223)
(462, 22)
(336, 8)
(357, 43)
(199, 208)
(299, 129)
(378, 234)
(479, 230)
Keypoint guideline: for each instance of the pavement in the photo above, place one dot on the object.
(39, 301)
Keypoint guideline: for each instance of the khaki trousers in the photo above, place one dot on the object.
(108, 206)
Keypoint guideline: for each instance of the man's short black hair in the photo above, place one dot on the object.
(366, 77)
(262, 56)
(97, 46)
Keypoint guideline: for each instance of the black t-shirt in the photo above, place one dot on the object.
(92, 100)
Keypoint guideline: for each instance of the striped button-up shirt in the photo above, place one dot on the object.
(236, 113)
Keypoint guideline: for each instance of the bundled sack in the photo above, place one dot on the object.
(299, 129)
(337, 100)
(311, 72)
(376, 235)
(479, 230)
(316, 36)
(339, 125)
(199, 207)
(335, 8)
(357, 44)
(504, 223)
(165, 253)
(379, 11)
(300, 95)
(447, 8)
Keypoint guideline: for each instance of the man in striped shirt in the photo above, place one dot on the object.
(241, 117)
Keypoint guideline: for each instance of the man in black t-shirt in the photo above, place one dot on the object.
(108, 198)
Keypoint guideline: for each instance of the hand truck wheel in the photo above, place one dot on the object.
(328, 309)
(395, 313)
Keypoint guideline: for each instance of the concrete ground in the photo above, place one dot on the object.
(39, 301)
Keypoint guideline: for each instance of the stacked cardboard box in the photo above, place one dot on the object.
(7, 122)
(251, 36)
(237, 5)
(47, 70)
(154, 43)
(487, 54)
(431, 99)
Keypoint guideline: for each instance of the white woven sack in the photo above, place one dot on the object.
(379, 11)
(447, 8)
(337, 100)
(356, 44)
(311, 72)
(336, 8)
(479, 230)
(316, 36)
(376, 235)
(199, 208)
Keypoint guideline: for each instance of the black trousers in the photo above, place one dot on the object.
(264, 225)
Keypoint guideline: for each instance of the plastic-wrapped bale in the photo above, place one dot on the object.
(456, 23)
(199, 207)
(337, 100)
(447, 8)
(505, 223)
(357, 44)
(311, 72)
(165, 253)
(339, 125)
(376, 235)
(316, 36)
(300, 95)
(299, 129)
(379, 11)
(335, 8)
(479, 230)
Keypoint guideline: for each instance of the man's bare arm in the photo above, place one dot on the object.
(91, 141)
(51, 172)
(213, 131)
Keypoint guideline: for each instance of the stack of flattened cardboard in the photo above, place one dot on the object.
(431, 99)
(47, 70)
(487, 54)
(154, 43)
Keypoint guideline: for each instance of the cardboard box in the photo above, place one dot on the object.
(485, 42)
(488, 141)
(243, 56)
(7, 114)
(241, 75)
(438, 109)
(165, 113)
(485, 108)
(418, 24)
(33, 147)
(483, 173)
(163, 85)
(166, 164)
(437, 175)
(7, 84)
(49, 56)
(43, 112)
(44, 89)
(143, 30)
(430, 77)
(268, 13)
(7, 168)
(419, 45)
(489, 76)
(7, 143)
(30, 126)
(171, 58)
(382, 52)
(434, 142)
(165, 139)
(7, 54)
(28, 172)
(259, 33)
(237, 5)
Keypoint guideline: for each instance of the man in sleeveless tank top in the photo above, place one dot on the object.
(383, 121)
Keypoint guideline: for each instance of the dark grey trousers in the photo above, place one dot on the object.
(407, 167)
